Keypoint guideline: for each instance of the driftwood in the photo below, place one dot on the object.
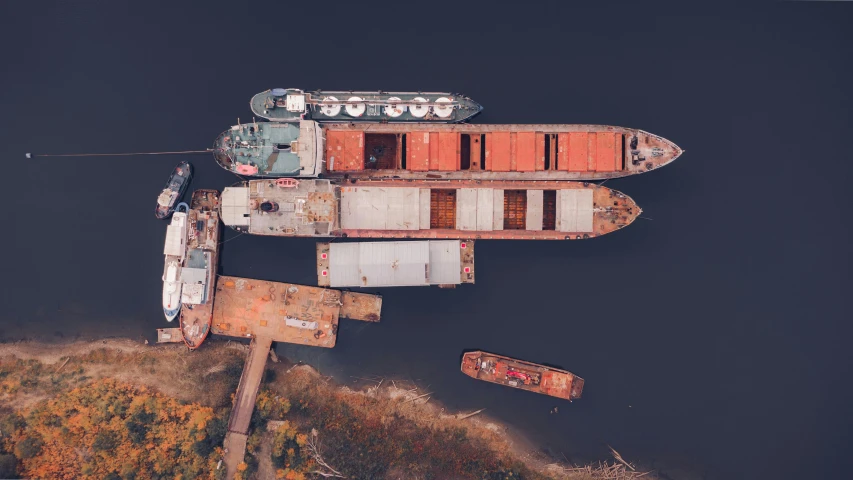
(620, 459)
(419, 396)
(63, 364)
(463, 417)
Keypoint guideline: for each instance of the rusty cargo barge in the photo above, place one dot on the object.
(440, 151)
(200, 272)
(426, 209)
(528, 376)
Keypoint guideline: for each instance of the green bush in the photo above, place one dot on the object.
(28, 447)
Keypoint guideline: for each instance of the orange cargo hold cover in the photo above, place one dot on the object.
(433, 150)
(448, 151)
(578, 151)
(498, 151)
(525, 147)
(605, 158)
(418, 151)
(345, 150)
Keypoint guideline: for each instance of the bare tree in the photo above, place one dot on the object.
(314, 449)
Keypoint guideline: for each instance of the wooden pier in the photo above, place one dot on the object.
(268, 312)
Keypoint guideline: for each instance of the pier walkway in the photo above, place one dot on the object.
(244, 403)
(270, 312)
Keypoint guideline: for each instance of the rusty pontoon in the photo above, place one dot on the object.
(284, 312)
(453, 209)
(528, 376)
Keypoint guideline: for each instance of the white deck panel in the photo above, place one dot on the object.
(175, 241)
(485, 209)
(445, 262)
(235, 206)
(425, 208)
(466, 209)
(534, 209)
(385, 264)
(343, 264)
(574, 210)
(376, 208)
(498, 207)
(394, 264)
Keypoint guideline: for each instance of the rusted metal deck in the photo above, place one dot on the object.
(169, 335)
(285, 312)
(516, 373)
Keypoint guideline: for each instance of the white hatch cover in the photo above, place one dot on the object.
(235, 206)
(380, 208)
(392, 264)
(574, 210)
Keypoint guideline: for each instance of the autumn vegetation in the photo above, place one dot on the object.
(145, 412)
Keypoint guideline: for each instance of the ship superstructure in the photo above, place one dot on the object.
(422, 151)
(454, 209)
(198, 276)
(174, 252)
(292, 105)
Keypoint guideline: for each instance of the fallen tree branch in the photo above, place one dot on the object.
(314, 449)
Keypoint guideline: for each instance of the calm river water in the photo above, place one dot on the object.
(710, 333)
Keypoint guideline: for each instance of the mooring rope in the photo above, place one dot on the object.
(181, 152)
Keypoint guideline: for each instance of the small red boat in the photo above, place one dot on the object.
(524, 375)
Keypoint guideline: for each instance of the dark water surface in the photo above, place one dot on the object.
(711, 337)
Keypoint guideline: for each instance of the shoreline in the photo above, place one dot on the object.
(141, 364)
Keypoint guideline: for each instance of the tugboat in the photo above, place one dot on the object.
(524, 375)
(423, 151)
(174, 190)
(292, 105)
(174, 251)
(199, 273)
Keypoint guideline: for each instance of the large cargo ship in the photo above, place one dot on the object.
(524, 375)
(199, 273)
(449, 152)
(453, 209)
(292, 105)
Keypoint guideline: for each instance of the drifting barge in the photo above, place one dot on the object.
(292, 105)
(427, 209)
(524, 375)
(200, 270)
(449, 152)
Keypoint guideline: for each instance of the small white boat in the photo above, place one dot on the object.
(172, 289)
(175, 251)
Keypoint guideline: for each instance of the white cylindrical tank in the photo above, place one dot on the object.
(395, 109)
(355, 109)
(329, 108)
(419, 111)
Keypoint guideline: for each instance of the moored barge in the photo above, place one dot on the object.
(453, 209)
(292, 105)
(523, 375)
(200, 271)
(450, 152)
